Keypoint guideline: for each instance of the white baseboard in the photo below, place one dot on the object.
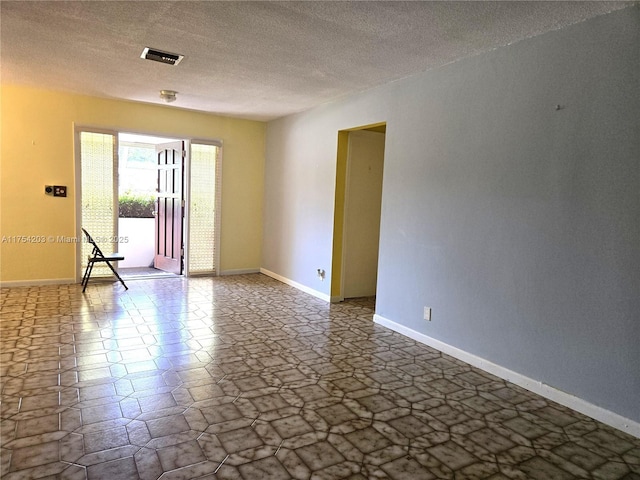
(239, 271)
(299, 286)
(598, 413)
(37, 283)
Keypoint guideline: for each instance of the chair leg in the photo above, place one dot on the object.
(117, 276)
(87, 274)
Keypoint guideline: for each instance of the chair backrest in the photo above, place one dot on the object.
(96, 249)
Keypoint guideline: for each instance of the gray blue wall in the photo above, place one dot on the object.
(519, 224)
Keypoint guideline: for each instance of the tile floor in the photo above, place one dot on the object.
(246, 378)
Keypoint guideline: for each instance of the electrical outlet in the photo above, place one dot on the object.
(427, 314)
(59, 191)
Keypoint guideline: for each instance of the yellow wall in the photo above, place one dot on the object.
(37, 149)
(338, 216)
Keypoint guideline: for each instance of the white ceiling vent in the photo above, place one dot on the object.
(160, 56)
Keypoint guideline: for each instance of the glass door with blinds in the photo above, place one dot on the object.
(205, 169)
(97, 184)
(98, 202)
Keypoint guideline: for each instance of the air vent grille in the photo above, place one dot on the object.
(160, 56)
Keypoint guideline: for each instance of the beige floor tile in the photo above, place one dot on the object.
(243, 377)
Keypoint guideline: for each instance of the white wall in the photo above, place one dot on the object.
(138, 245)
(516, 222)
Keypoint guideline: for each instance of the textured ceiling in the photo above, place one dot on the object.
(258, 60)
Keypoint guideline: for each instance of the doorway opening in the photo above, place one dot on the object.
(154, 200)
(360, 165)
(139, 179)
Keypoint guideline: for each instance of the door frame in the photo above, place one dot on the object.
(217, 200)
(77, 128)
(339, 216)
